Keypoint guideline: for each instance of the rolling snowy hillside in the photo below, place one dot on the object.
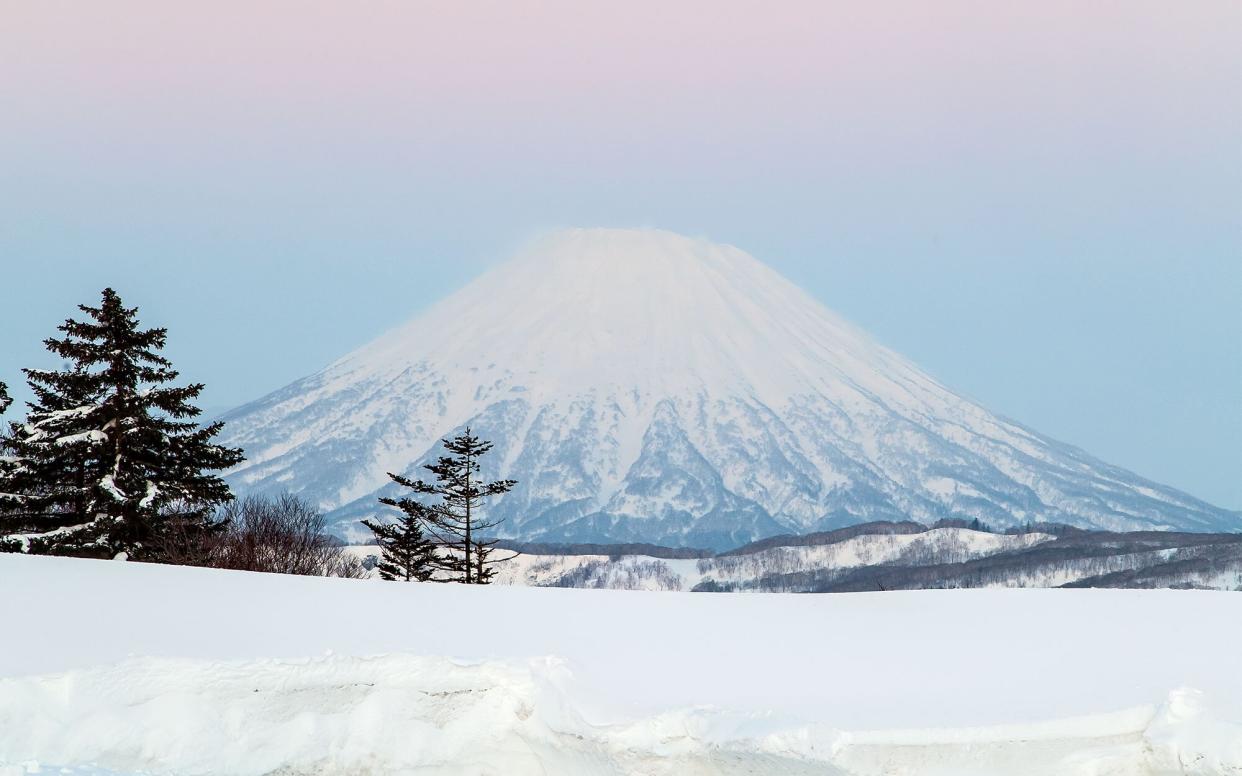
(899, 556)
(644, 386)
(644, 572)
(149, 669)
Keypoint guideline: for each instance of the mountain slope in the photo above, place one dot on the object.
(644, 386)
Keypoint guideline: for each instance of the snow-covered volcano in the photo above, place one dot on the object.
(645, 386)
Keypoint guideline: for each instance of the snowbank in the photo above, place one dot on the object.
(405, 714)
(169, 670)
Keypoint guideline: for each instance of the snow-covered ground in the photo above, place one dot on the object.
(150, 669)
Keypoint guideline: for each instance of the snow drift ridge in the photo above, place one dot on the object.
(400, 714)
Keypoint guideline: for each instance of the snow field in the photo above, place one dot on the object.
(139, 668)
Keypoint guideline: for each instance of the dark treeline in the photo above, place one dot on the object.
(820, 538)
(611, 550)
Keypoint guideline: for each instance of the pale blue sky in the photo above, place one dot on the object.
(1041, 207)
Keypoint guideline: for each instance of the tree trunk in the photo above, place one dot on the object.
(469, 461)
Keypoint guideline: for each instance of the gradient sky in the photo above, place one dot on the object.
(1040, 203)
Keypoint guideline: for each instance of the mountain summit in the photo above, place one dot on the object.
(645, 386)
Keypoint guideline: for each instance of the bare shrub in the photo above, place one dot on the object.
(185, 540)
(278, 534)
(350, 567)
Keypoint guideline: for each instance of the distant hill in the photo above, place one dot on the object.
(894, 556)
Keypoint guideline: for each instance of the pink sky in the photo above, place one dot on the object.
(686, 81)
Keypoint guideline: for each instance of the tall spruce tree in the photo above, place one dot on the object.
(408, 553)
(109, 452)
(456, 523)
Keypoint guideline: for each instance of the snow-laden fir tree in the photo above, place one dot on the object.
(49, 460)
(6, 501)
(109, 451)
(408, 552)
(457, 525)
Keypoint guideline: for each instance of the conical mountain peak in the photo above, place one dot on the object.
(582, 308)
(646, 386)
